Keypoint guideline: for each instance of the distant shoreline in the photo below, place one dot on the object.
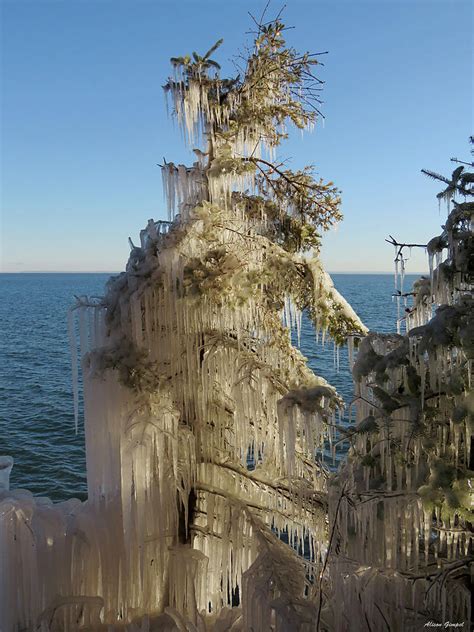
(365, 272)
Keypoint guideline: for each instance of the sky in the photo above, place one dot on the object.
(84, 121)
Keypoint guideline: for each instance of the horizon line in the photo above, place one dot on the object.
(352, 272)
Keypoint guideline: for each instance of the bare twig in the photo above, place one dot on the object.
(323, 570)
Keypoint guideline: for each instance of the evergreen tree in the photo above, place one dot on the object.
(201, 419)
(402, 511)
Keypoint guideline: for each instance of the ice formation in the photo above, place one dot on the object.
(402, 507)
(201, 419)
(207, 509)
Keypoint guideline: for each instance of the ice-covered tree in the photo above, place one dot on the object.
(202, 421)
(207, 508)
(402, 508)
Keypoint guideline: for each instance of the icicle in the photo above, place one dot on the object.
(74, 369)
(6, 464)
(402, 273)
(396, 271)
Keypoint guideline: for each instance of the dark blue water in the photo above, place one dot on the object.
(36, 409)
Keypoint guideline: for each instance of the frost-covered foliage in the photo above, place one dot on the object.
(206, 508)
(201, 419)
(402, 508)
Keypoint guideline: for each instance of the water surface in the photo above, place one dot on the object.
(36, 408)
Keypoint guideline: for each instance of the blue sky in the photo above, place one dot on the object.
(84, 119)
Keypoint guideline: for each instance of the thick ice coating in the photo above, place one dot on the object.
(202, 421)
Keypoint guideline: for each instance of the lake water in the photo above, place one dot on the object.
(36, 408)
